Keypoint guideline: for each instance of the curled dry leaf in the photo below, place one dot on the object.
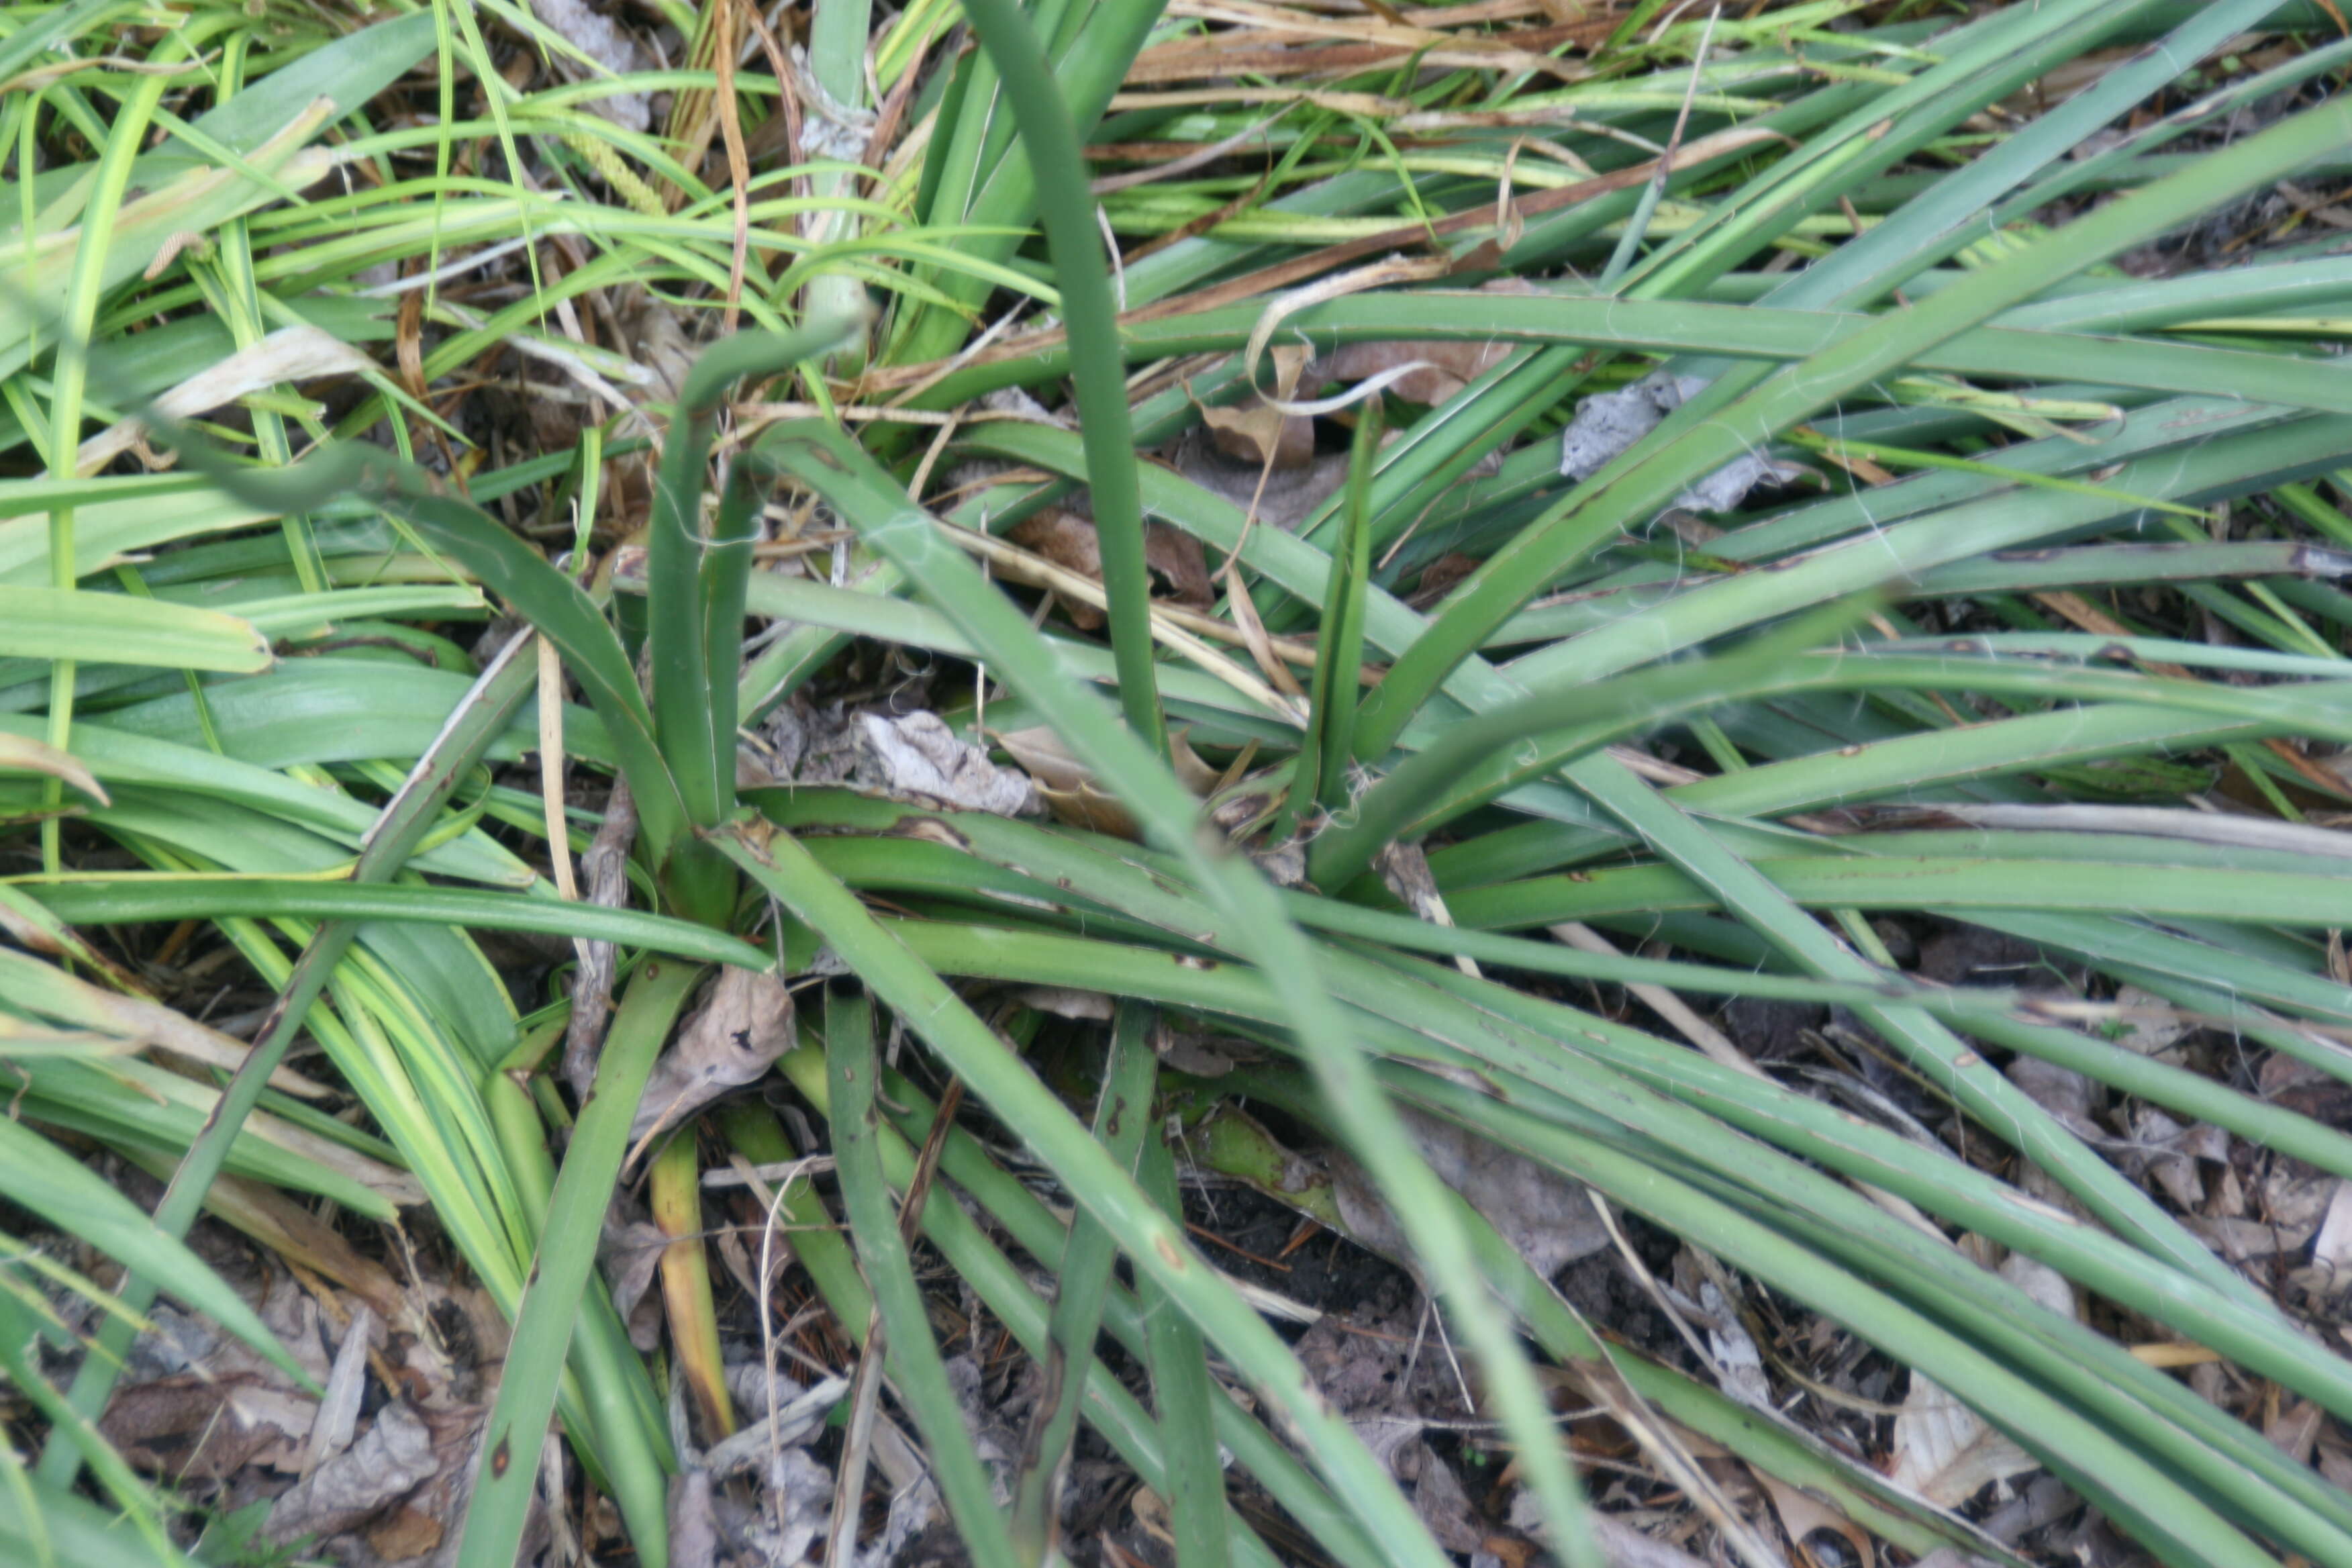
(1067, 538)
(393, 1457)
(1802, 1514)
(1944, 1451)
(1539, 1212)
(23, 753)
(1069, 788)
(743, 1026)
(1609, 422)
(602, 40)
(915, 757)
(1255, 431)
(629, 1252)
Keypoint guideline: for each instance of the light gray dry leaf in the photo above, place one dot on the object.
(1539, 1211)
(2163, 1148)
(912, 1508)
(805, 1489)
(629, 1251)
(2061, 1092)
(1607, 423)
(1067, 1002)
(1737, 1358)
(693, 1522)
(1619, 1543)
(741, 1027)
(915, 757)
(795, 1421)
(290, 353)
(1444, 1506)
(2151, 1026)
(1289, 496)
(604, 41)
(1943, 1450)
(992, 1438)
(394, 1457)
(2331, 1248)
(338, 1407)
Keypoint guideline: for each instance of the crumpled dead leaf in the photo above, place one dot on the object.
(1802, 1514)
(1442, 368)
(1944, 1451)
(2165, 1149)
(196, 1427)
(1607, 423)
(602, 40)
(629, 1252)
(915, 757)
(743, 1026)
(393, 1457)
(1067, 786)
(1255, 431)
(2331, 1247)
(1066, 536)
(1539, 1212)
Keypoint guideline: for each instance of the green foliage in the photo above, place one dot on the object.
(249, 684)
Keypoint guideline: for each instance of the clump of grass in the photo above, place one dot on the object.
(1934, 670)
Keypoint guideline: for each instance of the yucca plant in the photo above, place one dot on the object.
(2001, 417)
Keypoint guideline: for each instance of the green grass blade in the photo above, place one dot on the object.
(821, 457)
(1122, 1121)
(1067, 209)
(123, 900)
(405, 819)
(913, 1354)
(913, 990)
(74, 626)
(1182, 1390)
(509, 1478)
(1700, 439)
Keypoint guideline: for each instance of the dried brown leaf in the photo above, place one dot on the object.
(1541, 1212)
(1068, 787)
(915, 757)
(1943, 1450)
(392, 1458)
(1284, 497)
(1067, 538)
(743, 1026)
(1802, 1514)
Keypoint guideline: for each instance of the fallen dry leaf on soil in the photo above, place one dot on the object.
(393, 1457)
(1069, 788)
(1802, 1514)
(1068, 538)
(744, 1025)
(1944, 1451)
(1539, 1212)
(604, 41)
(915, 757)
(1607, 422)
